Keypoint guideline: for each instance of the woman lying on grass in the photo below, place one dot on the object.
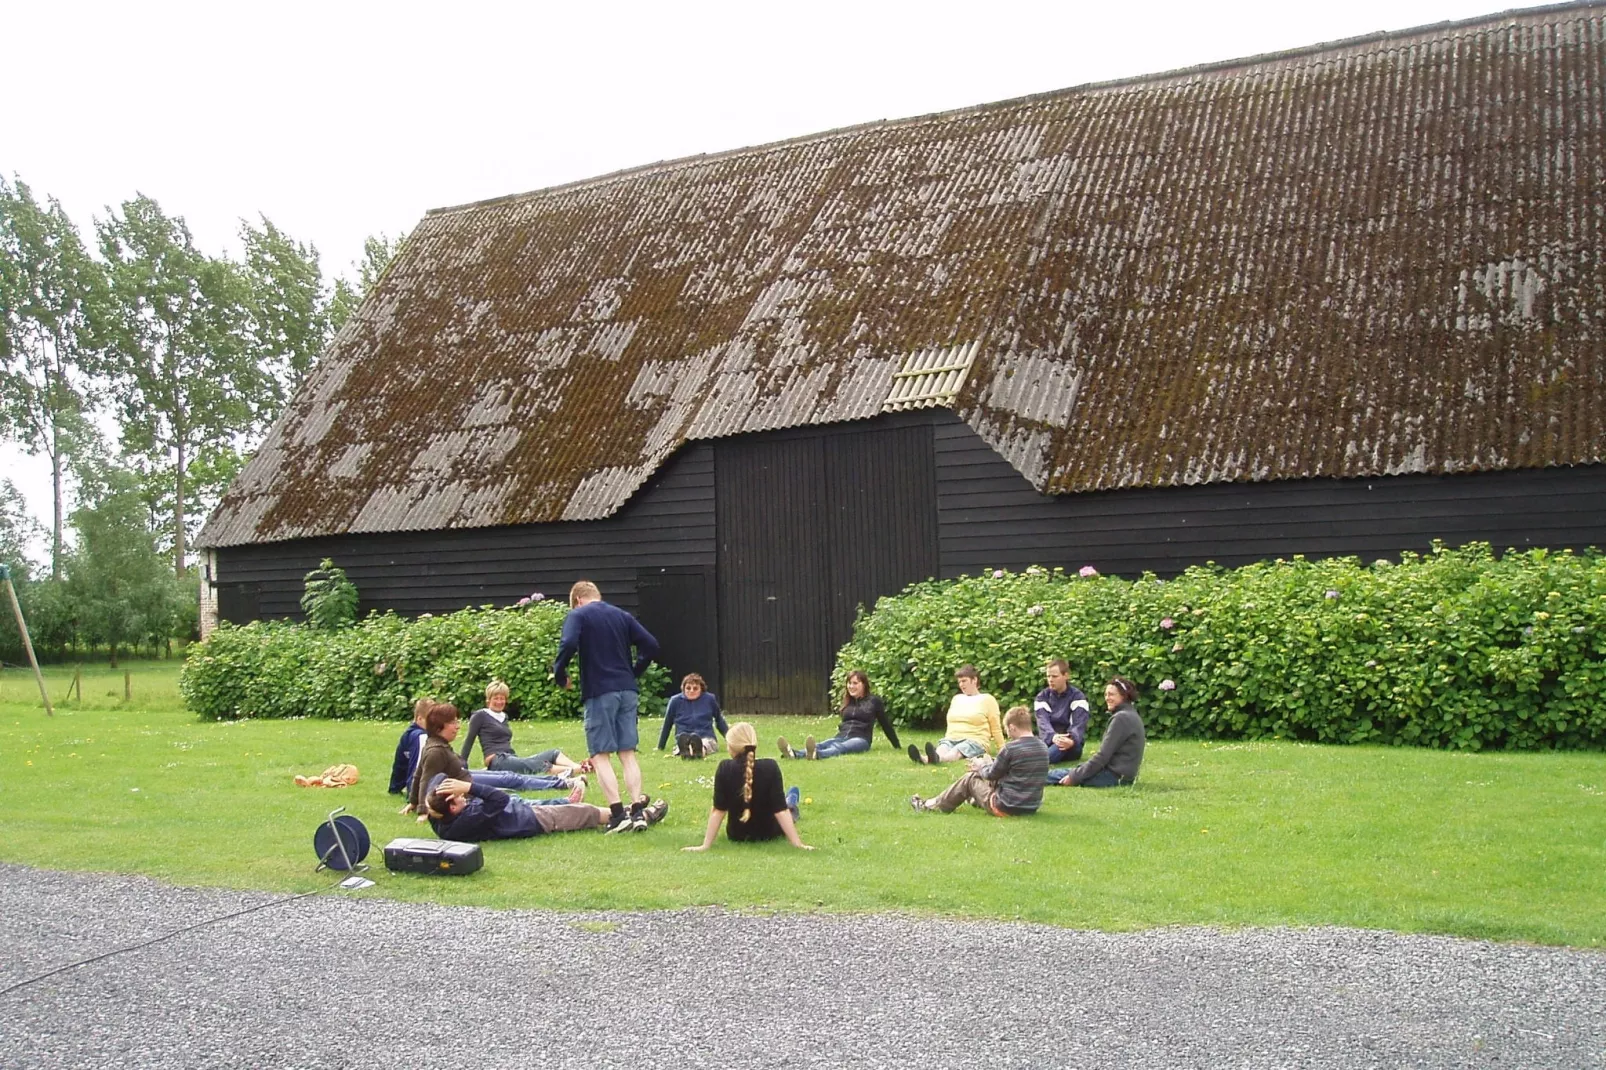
(861, 712)
(749, 789)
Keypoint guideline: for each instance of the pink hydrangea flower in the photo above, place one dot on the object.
(1087, 572)
(1332, 594)
(1167, 623)
(524, 601)
(538, 597)
(1168, 685)
(998, 573)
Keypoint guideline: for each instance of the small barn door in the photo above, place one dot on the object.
(811, 526)
(676, 605)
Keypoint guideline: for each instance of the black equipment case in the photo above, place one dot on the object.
(433, 856)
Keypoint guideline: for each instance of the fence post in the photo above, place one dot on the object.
(128, 686)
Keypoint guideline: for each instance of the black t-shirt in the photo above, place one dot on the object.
(769, 798)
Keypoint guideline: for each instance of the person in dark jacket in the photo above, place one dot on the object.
(603, 635)
(861, 712)
(1062, 713)
(749, 789)
(1120, 751)
(693, 715)
(408, 748)
(442, 722)
(1008, 785)
(471, 812)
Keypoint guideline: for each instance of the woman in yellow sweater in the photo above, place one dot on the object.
(972, 728)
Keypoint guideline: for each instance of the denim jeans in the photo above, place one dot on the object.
(835, 746)
(1056, 756)
(793, 797)
(512, 763)
(1101, 779)
(515, 781)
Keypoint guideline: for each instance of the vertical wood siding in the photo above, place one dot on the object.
(813, 524)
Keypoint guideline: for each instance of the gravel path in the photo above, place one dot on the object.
(335, 981)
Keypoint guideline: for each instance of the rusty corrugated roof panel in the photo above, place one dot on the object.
(1380, 256)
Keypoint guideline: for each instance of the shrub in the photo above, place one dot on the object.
(329, 598)
(1454, 648)
(379, 666)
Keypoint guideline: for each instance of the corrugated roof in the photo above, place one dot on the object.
(1375, 257)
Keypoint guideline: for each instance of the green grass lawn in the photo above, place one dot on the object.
(1504, 846)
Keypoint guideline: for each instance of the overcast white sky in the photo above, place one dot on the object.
(339, 120)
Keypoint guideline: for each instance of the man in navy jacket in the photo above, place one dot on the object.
(471, 812)
(603, 636)
(1062, 713)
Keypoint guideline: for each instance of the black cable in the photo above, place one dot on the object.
(167, 936)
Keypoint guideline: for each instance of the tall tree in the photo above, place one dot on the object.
(289, 306)
(377, 253)
(121, 592)
(184, 363)
(52, 306)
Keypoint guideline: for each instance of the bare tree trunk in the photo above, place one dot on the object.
(178, 511)
(55, 484)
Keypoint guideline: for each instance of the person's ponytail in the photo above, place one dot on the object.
(747, 785)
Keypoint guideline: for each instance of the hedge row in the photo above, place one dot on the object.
(378, 667)
(1454, 648)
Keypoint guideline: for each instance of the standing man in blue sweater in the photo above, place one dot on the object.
(602, 635)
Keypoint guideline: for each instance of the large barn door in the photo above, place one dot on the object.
(810, 527)
(769, 506)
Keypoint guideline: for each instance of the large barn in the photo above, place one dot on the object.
(1342, 300)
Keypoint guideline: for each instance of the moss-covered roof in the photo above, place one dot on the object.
(1379, 256)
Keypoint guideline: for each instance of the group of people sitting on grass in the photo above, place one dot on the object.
(1010, 758)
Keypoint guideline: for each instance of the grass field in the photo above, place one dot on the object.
(1503, 846)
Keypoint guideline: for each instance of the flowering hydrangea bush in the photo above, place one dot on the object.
(1453, 648)
(377, 667)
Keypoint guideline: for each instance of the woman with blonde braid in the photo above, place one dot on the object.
(750, 790)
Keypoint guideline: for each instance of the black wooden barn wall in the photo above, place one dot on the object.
(988, 516)
(748, 556)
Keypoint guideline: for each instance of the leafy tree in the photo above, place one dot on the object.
(377, 253)
(52, 302)
(289, 307)
(185, 366)
(121, 592)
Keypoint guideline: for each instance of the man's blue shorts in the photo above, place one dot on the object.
(611, 722)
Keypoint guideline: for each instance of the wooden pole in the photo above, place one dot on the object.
(128, 686)
(27, 643)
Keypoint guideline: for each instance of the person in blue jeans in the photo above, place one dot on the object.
(861, 712)
(441, 723)
(692, 715)
(603, 635)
